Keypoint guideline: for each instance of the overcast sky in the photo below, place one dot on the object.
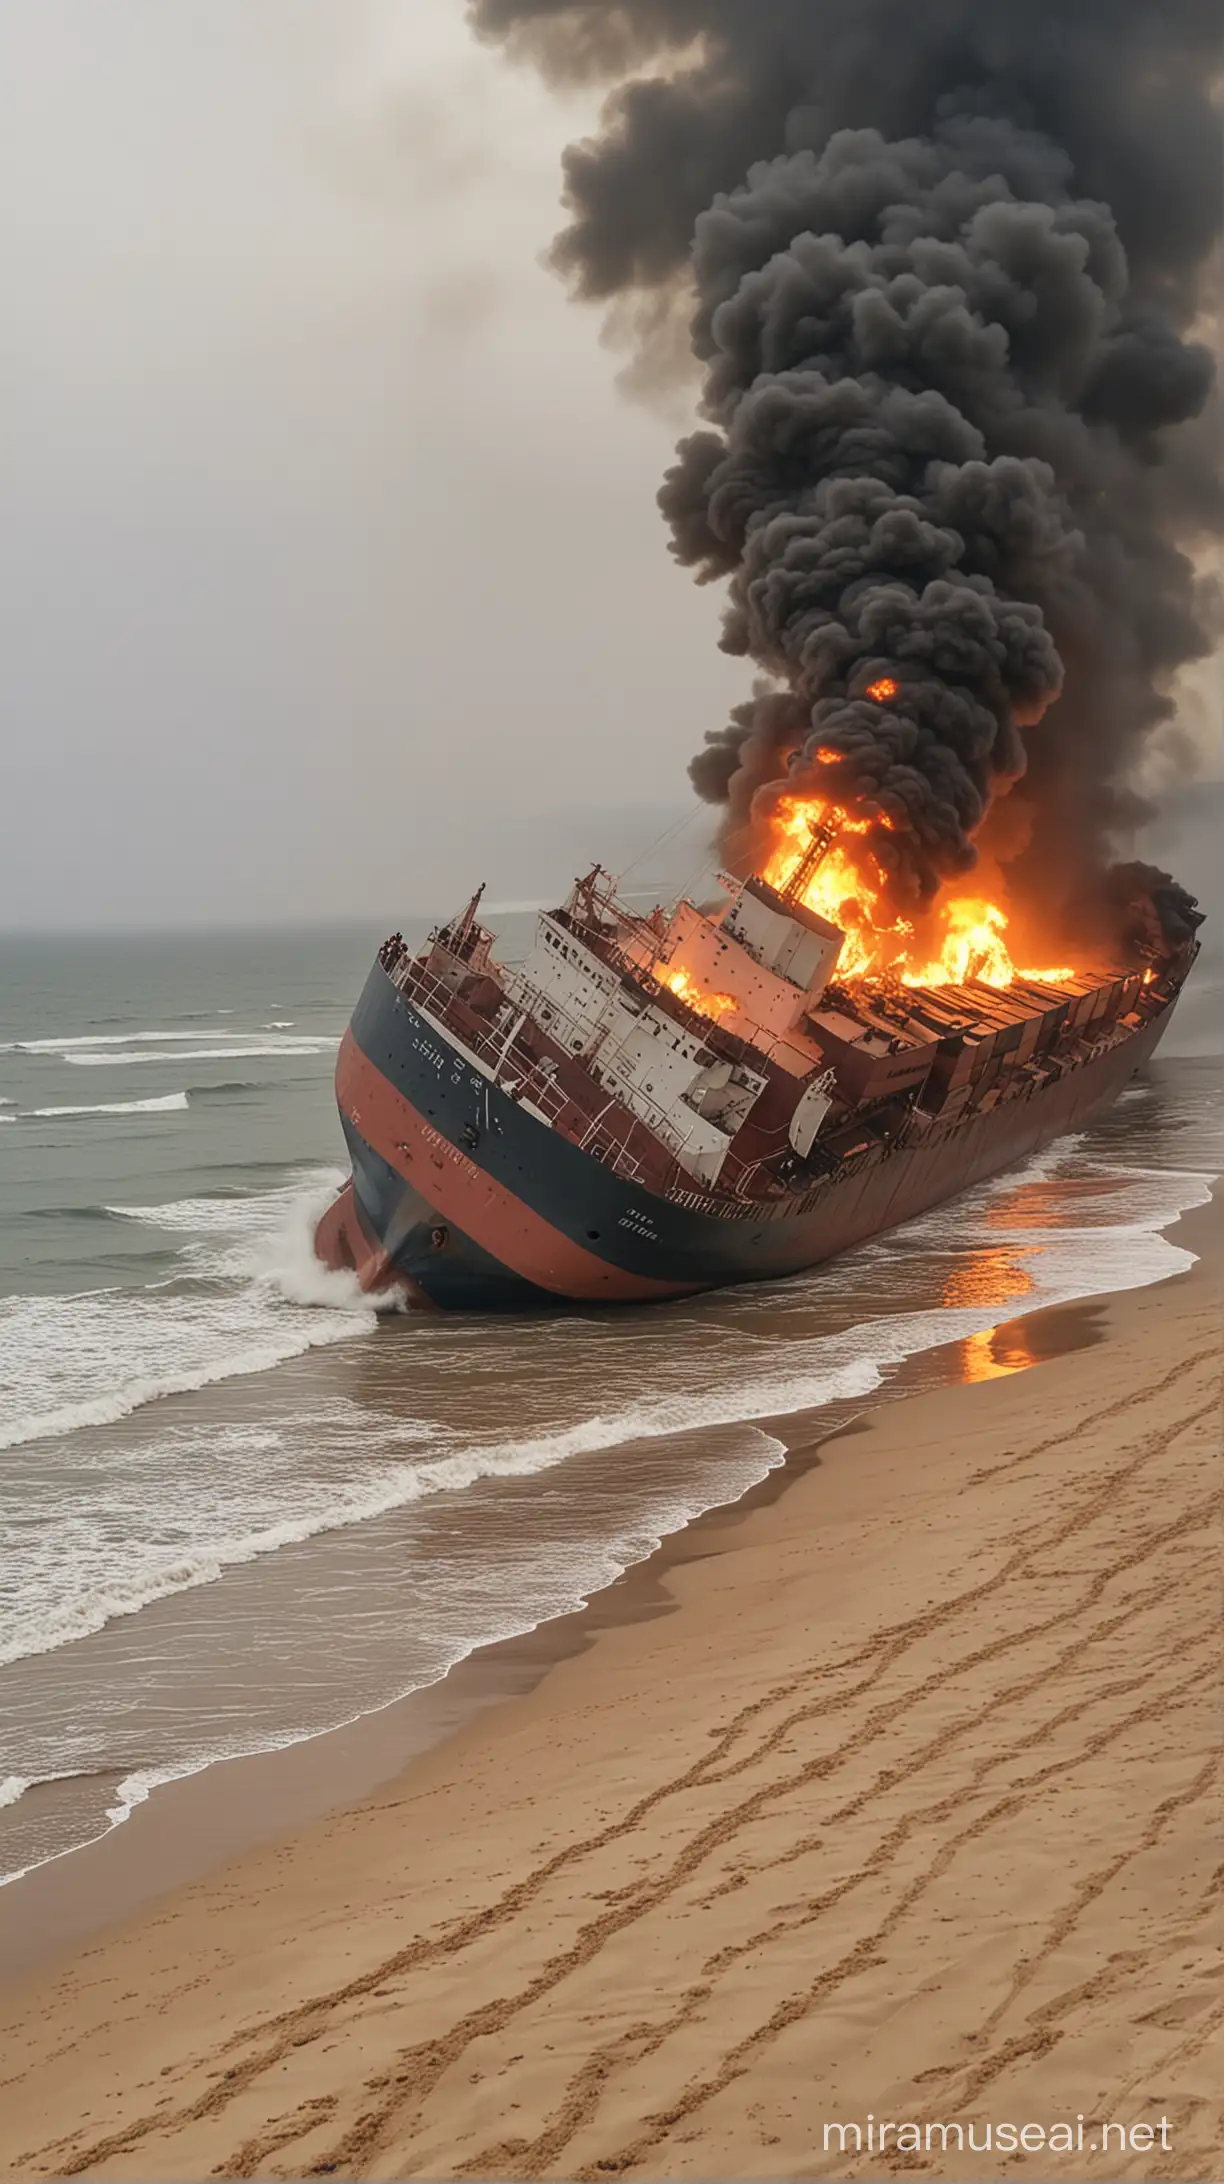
(330, 571)
(330, 552)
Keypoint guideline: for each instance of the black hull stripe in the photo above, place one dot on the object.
(652, 1238)
(457, 1276)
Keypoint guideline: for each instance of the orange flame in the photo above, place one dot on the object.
(883, 690)
(707, 1004)
(848, 888)
(973, 947)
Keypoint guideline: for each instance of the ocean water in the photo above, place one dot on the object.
(239, 1507)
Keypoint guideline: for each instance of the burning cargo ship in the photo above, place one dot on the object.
(647, 1107)
(948, 460)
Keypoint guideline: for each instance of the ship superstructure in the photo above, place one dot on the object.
(650, 1106)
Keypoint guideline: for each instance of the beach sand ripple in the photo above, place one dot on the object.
(910, 1807)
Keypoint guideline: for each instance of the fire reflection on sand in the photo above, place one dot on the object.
(996, 1352)
(992, 1276)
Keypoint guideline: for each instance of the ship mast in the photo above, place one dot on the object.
(461, 933)
(823, 838)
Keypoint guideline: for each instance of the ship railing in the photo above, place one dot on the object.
(482, 1039)
(748, 1182)
(543, 1094)
(521, 1075)
(599, 1134)
(533, 1083)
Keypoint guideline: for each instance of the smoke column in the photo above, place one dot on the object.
(942, 268)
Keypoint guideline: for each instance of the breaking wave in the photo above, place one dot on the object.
(169, 1103)
(261, 1297)
(116, 1038)
(284, 1050)
(230, 1084)
(251, 1295)
(685, 1401)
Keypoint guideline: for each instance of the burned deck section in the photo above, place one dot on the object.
(712, 1056)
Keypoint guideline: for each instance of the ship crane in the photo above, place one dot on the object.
(823, 838)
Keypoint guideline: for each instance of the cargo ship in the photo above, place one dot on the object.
(650, 1106)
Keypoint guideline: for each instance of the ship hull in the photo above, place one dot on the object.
(467, 1201)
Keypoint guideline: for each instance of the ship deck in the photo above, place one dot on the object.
(515, 1053)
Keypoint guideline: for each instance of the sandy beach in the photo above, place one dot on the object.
(907, 1810)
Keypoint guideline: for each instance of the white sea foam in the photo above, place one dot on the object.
(133, 1790)
(255, 1213)
(1040, 1168)
(52, 1614)
(542, 1588)
(120, 1038)
(265, 1238)
(254, 1500)
(168, 1103)
(93, 1358)
(1099, 1230)
(283, 1050)
(157, 1570)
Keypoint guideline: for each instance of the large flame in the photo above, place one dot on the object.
(706, 1004)
(974, 948)
(848, 888)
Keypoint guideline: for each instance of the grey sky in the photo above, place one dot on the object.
(329, 548)
(331, 572)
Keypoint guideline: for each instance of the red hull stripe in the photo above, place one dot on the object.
(464, 1194)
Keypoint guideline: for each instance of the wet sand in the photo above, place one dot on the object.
(907, 1805)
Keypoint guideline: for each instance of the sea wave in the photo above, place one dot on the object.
(166, 1104)
(284, 1050)
(230, 1084)
(252, 1295)
(86, 1212)
(546, 1590)
(240, 1213)
(138, 1389)
(543, 1588)
(98, 1599)
(1076, 1222)
(133, 1790)
(160, 1037)
(283, 1508)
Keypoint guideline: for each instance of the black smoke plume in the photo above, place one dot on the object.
(944, 265)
